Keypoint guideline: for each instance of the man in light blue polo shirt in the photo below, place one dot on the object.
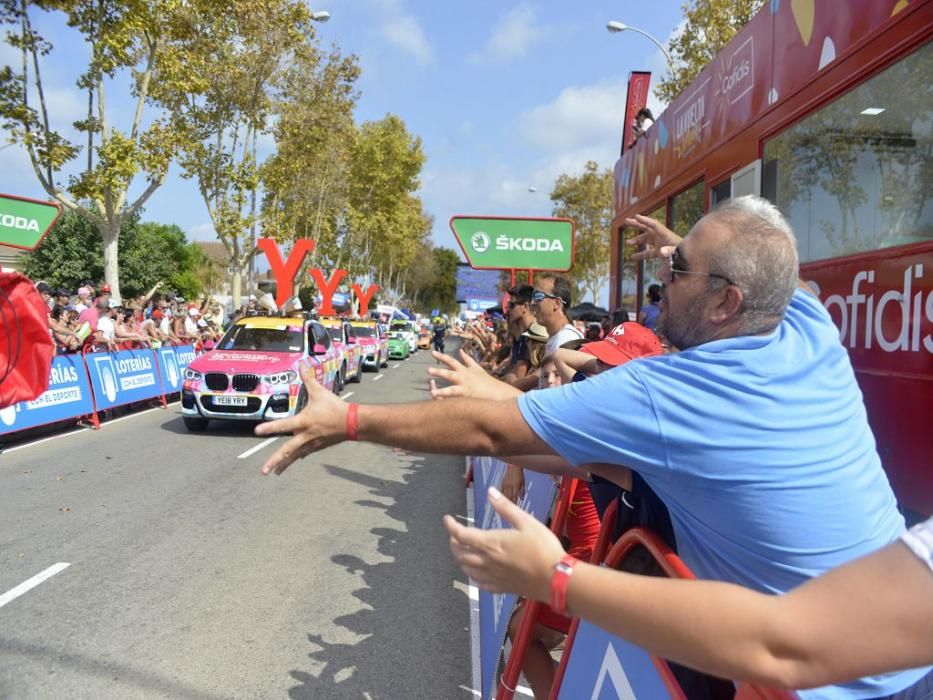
(754, 435)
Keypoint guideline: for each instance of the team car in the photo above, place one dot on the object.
(373, 342)
(399, 347)
(344, 339)
(252, 374)
(407, 330)
(424, 339)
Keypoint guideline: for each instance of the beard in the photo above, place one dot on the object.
(686, 329)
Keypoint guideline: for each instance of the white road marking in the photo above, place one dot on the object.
(377, 377)
(347, 395)
(396, 366)
(15, 593)
(80, 432)
(253, 450)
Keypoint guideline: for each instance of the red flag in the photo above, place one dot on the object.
(636, 99)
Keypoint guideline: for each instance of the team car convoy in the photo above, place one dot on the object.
(409, 332)
(252, 374)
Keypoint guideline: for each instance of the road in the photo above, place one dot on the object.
(192, 576)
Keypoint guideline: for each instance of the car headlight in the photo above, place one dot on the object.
(282, 377)
(192, 374)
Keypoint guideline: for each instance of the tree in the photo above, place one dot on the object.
(441, 291)
(149, 253)
(710, 25)
(587, 199)
(130, 41)
(306, 182)
(249, 44)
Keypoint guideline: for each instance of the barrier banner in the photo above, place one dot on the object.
(603, 666)
(123, 377)
(496, 609)
(172, 364)
(68, 396)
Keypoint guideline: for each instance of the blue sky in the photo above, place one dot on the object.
(505, 96)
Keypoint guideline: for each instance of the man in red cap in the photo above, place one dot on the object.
(625, 342)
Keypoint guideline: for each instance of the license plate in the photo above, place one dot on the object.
(230, 400)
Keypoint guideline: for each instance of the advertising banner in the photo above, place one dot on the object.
(24, 222)
(123, 377)
(636, 99)
(68, 396)
(603, 666)
(495, 609)
(172, 364)
(514, 243)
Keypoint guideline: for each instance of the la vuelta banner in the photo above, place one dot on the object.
(68, 396)
(495, 609)
(636, 99)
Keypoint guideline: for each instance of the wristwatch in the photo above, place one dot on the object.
(560, 579)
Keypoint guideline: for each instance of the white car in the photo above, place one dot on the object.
(408, 331)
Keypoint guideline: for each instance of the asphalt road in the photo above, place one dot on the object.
(192, 576)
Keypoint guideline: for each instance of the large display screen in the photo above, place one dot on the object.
(477, 285)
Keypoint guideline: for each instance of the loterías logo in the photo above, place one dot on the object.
(480, 242)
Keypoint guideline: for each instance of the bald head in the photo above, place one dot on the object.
(750, 241)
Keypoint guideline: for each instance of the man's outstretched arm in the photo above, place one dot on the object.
(457, 426)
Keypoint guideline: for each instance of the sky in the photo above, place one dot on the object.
(506, 96)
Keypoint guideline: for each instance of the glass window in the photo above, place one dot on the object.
(687, 208)
(721, 192)
(651, 269)
(857, 174)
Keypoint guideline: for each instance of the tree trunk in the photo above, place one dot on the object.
(236, 288)
(110, 233)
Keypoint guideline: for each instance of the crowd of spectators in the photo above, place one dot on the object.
(91, 319)
(737, 433)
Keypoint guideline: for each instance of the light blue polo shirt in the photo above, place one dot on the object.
(758, 445)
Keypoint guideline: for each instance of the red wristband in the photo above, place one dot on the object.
(353, 421)
(559, 582)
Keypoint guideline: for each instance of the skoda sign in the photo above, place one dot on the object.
(500, 243)
(24, 222)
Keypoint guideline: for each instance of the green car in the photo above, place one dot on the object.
(399, 349)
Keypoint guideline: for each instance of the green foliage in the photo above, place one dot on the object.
(441, 291)
(148, 253)
(587, 199)
(710, 25)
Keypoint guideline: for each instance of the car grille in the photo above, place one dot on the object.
(245, 382)
(253, 404)
(216, 381)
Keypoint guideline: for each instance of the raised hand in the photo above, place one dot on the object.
(507, 561)
(320, 424)
(467, 379)
(658, 240)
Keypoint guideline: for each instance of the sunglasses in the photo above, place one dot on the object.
(678, 266)
(538, 296)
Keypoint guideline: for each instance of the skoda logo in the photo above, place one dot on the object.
(480, 242)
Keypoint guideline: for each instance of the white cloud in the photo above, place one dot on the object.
(514, 34)
(580, 116)
(406, 33)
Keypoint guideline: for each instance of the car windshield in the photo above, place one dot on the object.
(276, 339)
(336, 334)
(364, 331)
(401, 327)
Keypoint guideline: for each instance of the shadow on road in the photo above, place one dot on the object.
(415, 633)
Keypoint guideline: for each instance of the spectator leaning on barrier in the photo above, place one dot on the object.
(754, 435)
(552, 298)
(520, 319)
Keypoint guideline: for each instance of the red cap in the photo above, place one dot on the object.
(157, 315)
(625, 342)
(105, 289)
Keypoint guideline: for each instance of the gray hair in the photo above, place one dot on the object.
(761, 257)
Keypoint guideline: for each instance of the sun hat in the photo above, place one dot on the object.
(536, 332)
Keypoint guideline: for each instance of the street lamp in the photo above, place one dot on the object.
(320, 16)
(616, 27)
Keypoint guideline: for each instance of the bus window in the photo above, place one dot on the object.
(651, 268)
(721, 192)
(855, 176)
(687, 208)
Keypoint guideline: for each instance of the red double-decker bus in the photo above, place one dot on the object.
(826, 109)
